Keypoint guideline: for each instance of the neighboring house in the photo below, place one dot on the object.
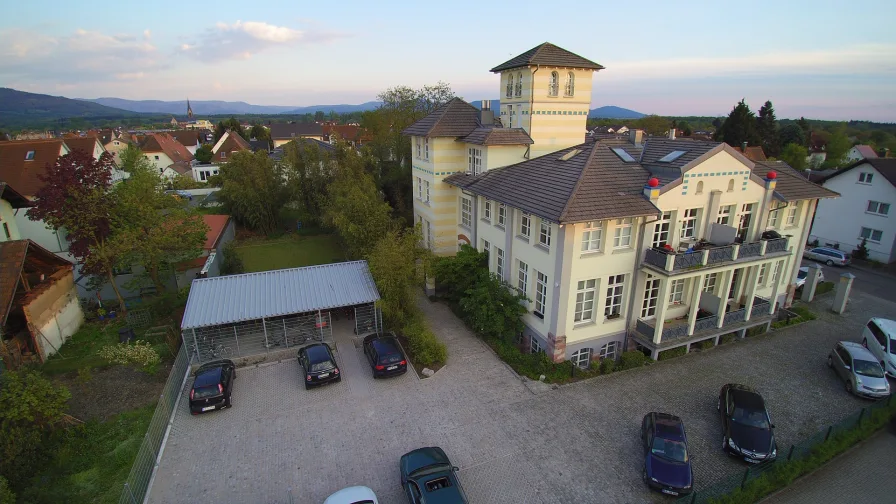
(282, 133)
(229, 144)
(93, 145)
(260, 145)
(753, 153)
(860, 152)
(351, 133)
(864, 210)
(817, 150)
(187, 138)
(200, 124)
(116, 143)
(618, 243)
(220, 232)
(201, 172)
(163, 150)
(177, 169)
(10, 203)
(40, 308)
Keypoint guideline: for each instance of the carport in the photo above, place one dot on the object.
(254, 314)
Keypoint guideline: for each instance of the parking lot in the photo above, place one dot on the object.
(576, 443)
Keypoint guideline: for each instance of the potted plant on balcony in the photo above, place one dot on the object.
(101, 313)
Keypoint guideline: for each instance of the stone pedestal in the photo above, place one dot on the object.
(841, 296)
(812, 281)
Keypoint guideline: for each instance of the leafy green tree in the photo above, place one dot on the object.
(792, 134)
(132, 158)
(232, 124)
(393, 265)
(232, 263)
(459, 273)
(319, 116)
(6, 494)
(795, 155)
(309, 173)
(837, 147)
(204, 154)
(493, 309)
(185, 181)
(685, 128)
(767, 128)
(259, 132)
(739, 127)
(654, 125)
(807, 130)
(253, 190)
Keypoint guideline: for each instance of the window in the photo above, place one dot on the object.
(689, 223)
(623, 154)
(487, 210)
(651, 293)
(502, 214)
(29, 156)
(581, 357)
(466, 212)
(672, 156)
(430, 240)
(622, 237)
(223, 155)
(541, 293)
(614, 296)
(554, 84)
(709, 283)
(6, 231)
(731, 185)
(544, 235)
(776, 276)
(661, 230)
(525, 224)
(746, 217)
(418, 143)
(773, 219)
(570, 88)
(872, 235)
(791, 214)
(426, 191)
(865, 177)
(876, 207)
(499, 263)
(419, 188)
(509, 90)
(486, 246)
(763, 271)
(519, 84)
(522, 279)
(592, 236)
(474, 159)
(425, 148)
(157, 157)
(725, 215)
(585, 291)
(534, 345)
(511, 116)
(609, 351)
(699, 187)
(116, 143)
(676, 291)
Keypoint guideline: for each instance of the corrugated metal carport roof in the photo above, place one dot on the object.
(253, 296)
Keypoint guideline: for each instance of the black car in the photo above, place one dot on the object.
(748, 430)
(428, 477)
(385, 355)
(212, 387)
(667, 465)
(318, 365)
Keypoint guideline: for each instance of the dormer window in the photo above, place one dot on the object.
(29, 156)
(570, 84)
(554, 85)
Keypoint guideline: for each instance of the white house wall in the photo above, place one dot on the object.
(62, 326)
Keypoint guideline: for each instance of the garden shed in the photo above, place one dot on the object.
(257, 313)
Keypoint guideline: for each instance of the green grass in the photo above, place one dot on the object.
(290, 252)
(80, 351)
(91, 462)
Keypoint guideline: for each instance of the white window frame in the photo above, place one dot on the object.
(792, 211)
(661, 230)
(554, 84)
(426, 148)
(581, 357)
(466, 212)
(622, 235)
(499, 263)
(689, 223)
(615, 291)
(878, 208)
(586, 292)
(541, 293)
(474, 160)
(570, 88)
(522, 278)
(676, 291)
(592, 236)
(609, 350)
(426, 191)
(502, 214)
(544, 234)
(430, 241)
(761, 277)
(777, 274)
(726, 213)
(519, 84)
(508, 92)
(486, 247)
(745, 217)
(866, 177)
(709, 282)
(870, 234)
(773, 218)
(525, 225)
(487, 210)
(535, 345)
(419, 148)
(420, 188)
(651, 295)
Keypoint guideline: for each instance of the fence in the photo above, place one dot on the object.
(137, 485)
(797, 451)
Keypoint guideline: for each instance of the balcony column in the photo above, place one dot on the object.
(723, 296)
(752, 279)
(696, 291)
(662, 303)
(776, 286)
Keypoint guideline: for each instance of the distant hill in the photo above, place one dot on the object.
(17, 107)
(613, 112)
(339, 109)
(179, 107)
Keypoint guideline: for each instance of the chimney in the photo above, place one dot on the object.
(743, 147)
(636, 137)
(486, 114)
(672, 134)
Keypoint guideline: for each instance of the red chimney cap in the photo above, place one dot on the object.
(772, 175)
(653, 182)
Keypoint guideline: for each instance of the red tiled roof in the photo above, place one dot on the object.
(163, 142)
(347, 132)
(753, 153)
(86, 144)
(216, 226)
(232, 143)
(186, 137)
(22, 174)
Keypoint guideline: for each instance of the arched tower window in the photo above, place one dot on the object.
(570, 84)
(519, 84)
(700, 187)
(731, 185)
(509, 91)
(554, 86)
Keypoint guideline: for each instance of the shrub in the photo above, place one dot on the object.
(6, 495)
(425, 348)
(727, 338)
(141, 354)
(672, 353)
(861, 252)
(803, 312)
(705, 344)
(231, 263)
(607, 366)
(84, 375)
(633, 359)
(824, 288)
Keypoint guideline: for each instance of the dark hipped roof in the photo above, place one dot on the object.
(165, 143)
(886, 167)
(498, 136)
(456, 118)
(282, 131)
(658, 148)
(791, 186)
(187, 137)
(592, 184)
(548, 54)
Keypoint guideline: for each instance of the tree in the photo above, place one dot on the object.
(319, 116)
(76, 197)
(259, 132)
(185, 181)
(393, 265)
(132, 158)
(309, 173)
(767, 129)
(792, 134)
(685, 128)
(807, 130)
(654, 125)
(795, 155)
(204, 154)
(837, 147)
(253, 190)
(231, 124)
(739, 127)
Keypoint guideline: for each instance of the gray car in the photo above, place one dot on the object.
(827, 255)
(858, 368)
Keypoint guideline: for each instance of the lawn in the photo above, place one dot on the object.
(290, 252)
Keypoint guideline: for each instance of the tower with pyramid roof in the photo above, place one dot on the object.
(189, 110)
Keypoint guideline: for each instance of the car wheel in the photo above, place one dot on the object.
(829, 262)
(830, 362)
(849, 387)
(307, 387)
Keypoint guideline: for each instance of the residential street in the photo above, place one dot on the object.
(877, 283)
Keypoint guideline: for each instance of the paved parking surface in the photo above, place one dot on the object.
(577, 443)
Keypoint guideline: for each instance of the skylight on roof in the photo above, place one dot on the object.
(623, 155)
(29, 156)
(672, 156)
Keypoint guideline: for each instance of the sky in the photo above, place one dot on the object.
(821, 60)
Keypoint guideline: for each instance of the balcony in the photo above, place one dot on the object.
(706, 324)
(705, 254)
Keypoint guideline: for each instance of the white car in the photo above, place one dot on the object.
(879, 337)
(353, 495)
(803, 273)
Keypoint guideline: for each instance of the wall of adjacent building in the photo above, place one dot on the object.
(54, 313)
(161, 163)
(446, 156)
(8, 217)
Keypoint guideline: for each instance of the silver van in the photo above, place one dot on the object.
(879, 337)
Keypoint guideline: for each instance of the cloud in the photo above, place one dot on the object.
(242, 40)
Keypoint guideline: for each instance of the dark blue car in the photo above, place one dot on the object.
(667, 466)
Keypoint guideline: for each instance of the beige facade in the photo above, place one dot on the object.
(8, 228)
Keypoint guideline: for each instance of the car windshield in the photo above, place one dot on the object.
(429, 469)
(322, 366)
(205, 392)
(893, 346)
(751, 418)
(670, 450)
(390, 359)
(802, 274)
(868, 368)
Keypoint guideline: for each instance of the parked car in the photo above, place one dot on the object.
(859, 369)
(427, 476)
(385, 355)
(318, 365)
(667, 466)
(748, 431)
(879, 336)
(803, 273)
(353, 495)
(213, 386)
(827, 255)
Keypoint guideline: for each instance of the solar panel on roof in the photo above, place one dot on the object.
(672, 156)
(623, 155)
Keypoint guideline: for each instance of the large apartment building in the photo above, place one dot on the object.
(618, 243)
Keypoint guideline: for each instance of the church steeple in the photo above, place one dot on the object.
(189, 110)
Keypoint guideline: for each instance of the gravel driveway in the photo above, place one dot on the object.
(577, 443)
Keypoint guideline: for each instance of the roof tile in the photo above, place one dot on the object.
(548, 54)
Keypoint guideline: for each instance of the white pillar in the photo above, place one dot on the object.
(696, 291)
(811, 282)
(662, 302)
(723, 296)
(841, 297)
(750, 291)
